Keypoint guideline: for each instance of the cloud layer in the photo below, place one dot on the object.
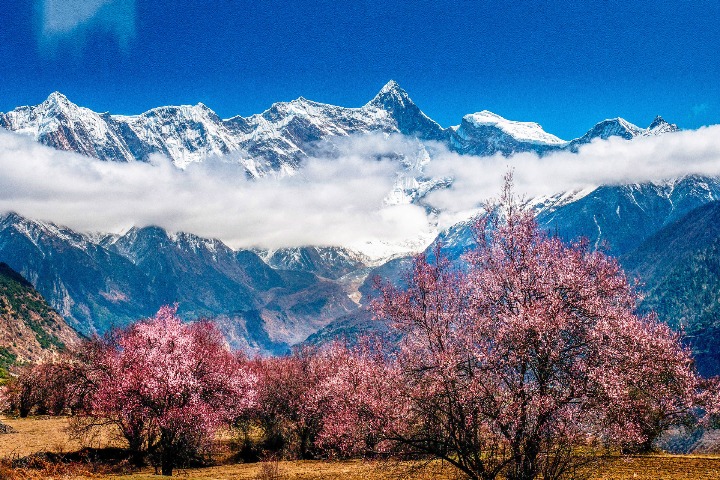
(339, 198)
(331, 202)
(603, 162)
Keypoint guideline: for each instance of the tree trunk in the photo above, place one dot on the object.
(166, 463)
(167, 455)
(136, 457)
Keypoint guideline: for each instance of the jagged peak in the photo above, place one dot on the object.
(611, 127)
(135, 230)
(59, 100)
(14, 218)
(618, 123)
(303, 102)
(198, 107)
(391, 95)
(660, 124)
(392, 86)
(657, 121)
(57, 97)
(292, 106)
(11, 217)
(486, 116)
(621, 122)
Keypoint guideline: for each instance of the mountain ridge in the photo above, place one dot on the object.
(281, 137)
(100, 283)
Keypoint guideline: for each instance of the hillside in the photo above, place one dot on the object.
(679, 270)
(29, 327)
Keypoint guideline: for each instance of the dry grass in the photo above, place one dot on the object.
(660, 467)
(51, 435)
(310, 470)
(656, 467)
(47, 434)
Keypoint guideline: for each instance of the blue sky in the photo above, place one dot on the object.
(563, 64)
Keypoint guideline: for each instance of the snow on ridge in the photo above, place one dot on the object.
(524, 131)
(543, 203)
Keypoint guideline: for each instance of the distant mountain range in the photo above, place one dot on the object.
(97, 283)
(279, 138)
(269, 300)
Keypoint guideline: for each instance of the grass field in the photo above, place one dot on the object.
(50, 435)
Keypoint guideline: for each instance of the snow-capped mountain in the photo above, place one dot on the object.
(278, 139)
(275, 140)
(275, 300)
(485, 133)
(99, 282)
(59, 123)
(327, 262)
(614, 218)
(619, 127)
(619, 218)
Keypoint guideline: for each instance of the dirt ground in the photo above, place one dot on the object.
(51, 434)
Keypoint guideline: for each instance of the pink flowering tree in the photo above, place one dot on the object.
(169, 386)
(53, 386)
(320, 402)
(531, 350)
(288, 417)
(358, 399)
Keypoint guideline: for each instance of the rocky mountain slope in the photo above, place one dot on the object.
(29, 327)
(97, 283)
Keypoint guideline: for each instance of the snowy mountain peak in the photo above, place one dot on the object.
(10, 218)
(657, 122)
(660, 125)
(631, 127)
(611, 127)
(391, 96)
(278, 139)
(619, 127)
(392, 87)
(187, 111)
(523, 131)
(58, 104)
(57, 98)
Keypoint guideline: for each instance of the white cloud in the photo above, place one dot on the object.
(331, 202)
(76, 19)
(337, 199)
(611, 162)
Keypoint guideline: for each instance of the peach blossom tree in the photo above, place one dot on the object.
(169, 386)
(529, 350)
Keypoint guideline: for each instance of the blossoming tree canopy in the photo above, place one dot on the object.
(169, 385)
(531, 349)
